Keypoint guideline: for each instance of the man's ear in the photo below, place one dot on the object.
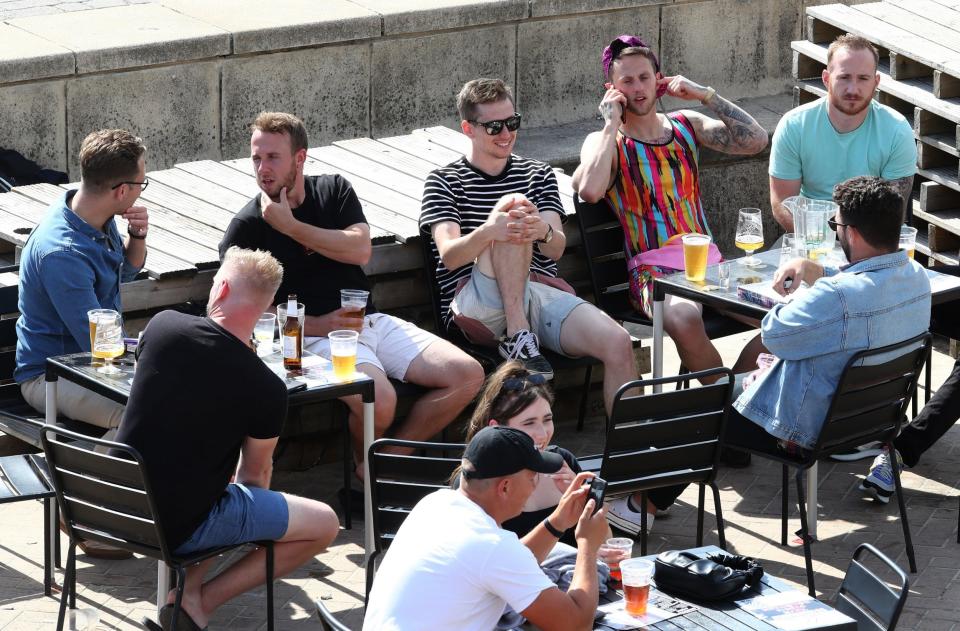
(300, 157)
(825, 78)
(466, 128)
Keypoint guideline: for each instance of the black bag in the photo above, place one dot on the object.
(717, 577)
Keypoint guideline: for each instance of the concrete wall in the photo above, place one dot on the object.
(189, 76)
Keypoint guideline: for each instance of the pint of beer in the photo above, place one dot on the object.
(343, 352)
(695, 248)
(908, 240)
(636, 574)
(356, 301)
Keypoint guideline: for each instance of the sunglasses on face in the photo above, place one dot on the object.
(833, 223)
(519, 384)
(495, 127)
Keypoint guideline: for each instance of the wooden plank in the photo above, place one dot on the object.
(142, 295)
(391, 156)
(820, 32)
(240, 181)
(929, 157)
(805, 67)
(945, 86)
(201, 188)
(934, 32)
(189, 206)
(935, 197)
(444, 136)
(940, 239)
(905, 68)
(942, 175)
(929, 9)
(375, 171)
(422, 147)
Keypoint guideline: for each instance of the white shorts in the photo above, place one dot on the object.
(387, 342)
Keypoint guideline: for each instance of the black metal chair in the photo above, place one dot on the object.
(329, 622)
(107, 497)
(399, 481)
(867, 598)
(489, 356)
(668, 438)
(869, 404)
(22, 478)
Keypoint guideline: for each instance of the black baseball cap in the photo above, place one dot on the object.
(497, 451)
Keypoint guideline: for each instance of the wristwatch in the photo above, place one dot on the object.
(547, 238)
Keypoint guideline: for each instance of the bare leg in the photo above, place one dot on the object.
(683, 322)
(589, 331)
(312, 527)
(747, 360)
(454, 379)
(510, 265)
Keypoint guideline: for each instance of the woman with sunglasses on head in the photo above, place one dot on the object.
(515, 397)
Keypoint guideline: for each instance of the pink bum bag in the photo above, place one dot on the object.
(670, 255)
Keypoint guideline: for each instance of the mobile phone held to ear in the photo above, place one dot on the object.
(598, 490)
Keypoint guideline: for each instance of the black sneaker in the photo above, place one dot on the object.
(525, 348)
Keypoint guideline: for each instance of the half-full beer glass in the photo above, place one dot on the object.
(695, 249)
(106, 338)
(343, 352)
(636, 574)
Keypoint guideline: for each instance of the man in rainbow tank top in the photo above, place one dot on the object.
(645, 165)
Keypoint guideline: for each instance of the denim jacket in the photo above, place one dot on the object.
(67, 268)
(878, 301)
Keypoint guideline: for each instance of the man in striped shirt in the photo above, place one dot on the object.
(496, 222)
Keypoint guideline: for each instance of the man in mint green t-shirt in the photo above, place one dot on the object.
(842, 135)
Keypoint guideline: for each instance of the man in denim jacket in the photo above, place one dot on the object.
(880, 298)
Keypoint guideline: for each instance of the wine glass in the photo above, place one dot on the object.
(750, 235)
(108, 340)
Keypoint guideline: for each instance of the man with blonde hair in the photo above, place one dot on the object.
(315, 226)
(190, 437)
(842, 135)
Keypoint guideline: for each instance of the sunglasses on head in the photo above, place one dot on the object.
(519, 384)
(833, 223)
(495, 127)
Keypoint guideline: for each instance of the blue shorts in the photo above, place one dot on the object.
(242, 514)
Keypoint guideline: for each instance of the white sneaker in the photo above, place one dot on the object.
(879, 482)
(620, 514)
(860, 453)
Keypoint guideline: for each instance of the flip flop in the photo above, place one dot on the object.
(184, 621)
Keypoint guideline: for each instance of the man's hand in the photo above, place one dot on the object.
(683, 88)
(510, 220)
(612, 105)
(568, 511)
(320, 326)
(278, 214)
(591, 528)
(137, 220)
(788, 277)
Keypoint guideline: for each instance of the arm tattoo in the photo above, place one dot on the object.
(905, 186)
(740, 133)
(606, 109)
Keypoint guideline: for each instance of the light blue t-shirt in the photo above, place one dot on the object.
(806, 147)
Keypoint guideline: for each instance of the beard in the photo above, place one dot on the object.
(850, 108)
(642, 110)
(845, 247)
(287, 182)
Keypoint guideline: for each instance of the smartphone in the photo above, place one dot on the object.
(598, 489)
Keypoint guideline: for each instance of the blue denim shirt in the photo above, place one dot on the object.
(878, 301)
(67, 268)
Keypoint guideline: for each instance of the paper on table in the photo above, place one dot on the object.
(792, 611)
(763, 294)
(659, 607)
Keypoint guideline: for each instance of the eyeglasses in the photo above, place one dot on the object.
(142, 185)
(519, 384)
(495, 127)
(833, 223)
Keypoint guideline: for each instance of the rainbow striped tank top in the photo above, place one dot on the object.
(656, 195)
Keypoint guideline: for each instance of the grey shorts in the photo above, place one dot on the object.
(478, 310)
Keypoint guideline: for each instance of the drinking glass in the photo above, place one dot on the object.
(613, 551)
(106, 329)
(356, 301)
(343, 351)
(750, 235)
(908, 240)
(636, 574)
(263, 333)
(788, 248)
(696, 247)
(723, 274)
(282, 313)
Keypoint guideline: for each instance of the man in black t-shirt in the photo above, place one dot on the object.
(316, 228)
(191, 435)
(496, 222)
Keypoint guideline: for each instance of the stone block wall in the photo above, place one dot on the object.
(189, 75)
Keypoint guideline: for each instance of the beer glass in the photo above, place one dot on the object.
(282, 313)
(343, 351)
(636, 574)
(613, 551)
(908, 240)
(695, 249)
(356, 301)
(788, 248)
(750, 235)
(263, 333)
(106, 332)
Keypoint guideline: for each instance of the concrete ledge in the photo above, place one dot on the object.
(549, 8)
(128, 36)
(418, 16)
(43, 59)
(281, 24)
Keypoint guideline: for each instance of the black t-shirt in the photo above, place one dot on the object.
(329, 203)
(197, 394)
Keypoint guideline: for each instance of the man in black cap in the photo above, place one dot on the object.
(451, 565)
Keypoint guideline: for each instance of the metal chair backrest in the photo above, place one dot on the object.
(104, 496)
(662, 439)
(872, 395)
(603, 247)
(869, 599)
(329, 622)
(430, 267)
(399, 481)
(9, 297)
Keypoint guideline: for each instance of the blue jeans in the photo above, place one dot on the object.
(242, 514)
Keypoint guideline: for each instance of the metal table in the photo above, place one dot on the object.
(81, 368)
(943, 287)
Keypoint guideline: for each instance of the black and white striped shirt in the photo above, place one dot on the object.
(464, 195)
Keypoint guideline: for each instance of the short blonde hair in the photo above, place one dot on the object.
(282, 123)
(256, 270)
